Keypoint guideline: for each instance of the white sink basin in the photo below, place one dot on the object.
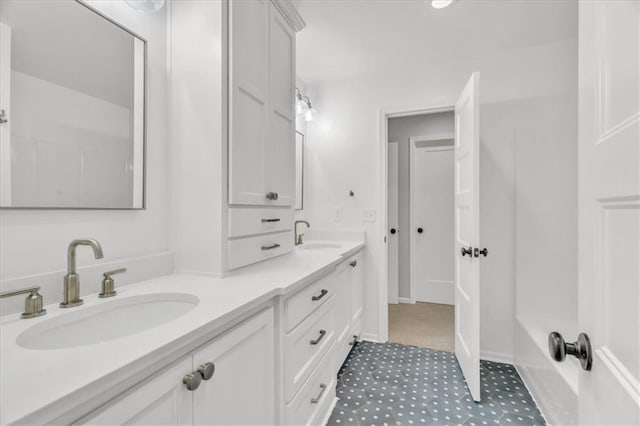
(313, 245)
(107, 321)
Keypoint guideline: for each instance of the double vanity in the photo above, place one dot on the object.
(261, 346)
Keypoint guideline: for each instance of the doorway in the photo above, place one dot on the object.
(421, 229)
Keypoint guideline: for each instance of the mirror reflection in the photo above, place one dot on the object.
(72, 95)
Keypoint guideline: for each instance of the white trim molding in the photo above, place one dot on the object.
(290, 14)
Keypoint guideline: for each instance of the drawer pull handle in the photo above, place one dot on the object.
(271, 247)
(354, 263)
(317, 398)
(277, 219)
(354, 339)
(323, 293)
(272, 196)
(320, 337)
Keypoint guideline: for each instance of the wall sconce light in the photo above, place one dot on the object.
(303, 106)
(310, 113)
(147, 6)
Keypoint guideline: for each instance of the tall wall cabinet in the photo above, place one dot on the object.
(234, 131)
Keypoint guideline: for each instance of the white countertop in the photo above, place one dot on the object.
(36, 385)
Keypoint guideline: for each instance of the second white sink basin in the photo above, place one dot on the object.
(107, 321)
(318, 245)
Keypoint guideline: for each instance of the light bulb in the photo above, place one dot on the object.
(309, 114)
(147, 6)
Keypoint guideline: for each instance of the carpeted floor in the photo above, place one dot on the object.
(428, 325)
(392, 384)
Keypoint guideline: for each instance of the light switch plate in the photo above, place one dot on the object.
(368, 215)
(338, 212)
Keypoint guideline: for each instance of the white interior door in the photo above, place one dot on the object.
(609, 213)
(467, 230)
(432, 218)
(392, 214)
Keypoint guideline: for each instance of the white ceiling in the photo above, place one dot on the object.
(351, 38)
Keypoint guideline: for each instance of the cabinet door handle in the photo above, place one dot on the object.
(277, 219)
(192, 380)
(354, 263)
(206, 370)
(320, 337)
(272, 196)
(271, 247)
(354, 340)
(322, 294)
(317, 398)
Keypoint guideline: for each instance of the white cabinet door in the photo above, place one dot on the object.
(356, 264)
(163, 400)
(262, 116)
(242, 388)
(609, 210)
(280, 145)
(248, 99)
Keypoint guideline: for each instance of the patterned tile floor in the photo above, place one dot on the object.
(394, 384)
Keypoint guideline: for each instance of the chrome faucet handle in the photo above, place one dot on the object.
(32, 304)
(108, 285)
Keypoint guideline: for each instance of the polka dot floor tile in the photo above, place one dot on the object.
(394, 384)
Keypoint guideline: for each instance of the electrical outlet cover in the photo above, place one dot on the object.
(337, 214)
(368, 215)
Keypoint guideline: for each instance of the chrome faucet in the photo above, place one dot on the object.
(71, 296)
(298, 237)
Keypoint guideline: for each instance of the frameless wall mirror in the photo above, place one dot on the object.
(72, 108)
(299, 171)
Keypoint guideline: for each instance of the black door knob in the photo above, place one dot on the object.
(420, 230)
(477, 252)
(581, 349)
(393, 230)
(466, 251)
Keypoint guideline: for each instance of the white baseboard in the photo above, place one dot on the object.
(370, 337)
(405, 300)
(496, 357)
(434, 291)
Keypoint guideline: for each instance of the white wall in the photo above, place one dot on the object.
(342, 154)
(400, 129)
(35, 241)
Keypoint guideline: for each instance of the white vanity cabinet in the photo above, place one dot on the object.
(261, 105)
(241, 390)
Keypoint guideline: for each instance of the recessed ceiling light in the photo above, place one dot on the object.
(147, 6)
(441, 4)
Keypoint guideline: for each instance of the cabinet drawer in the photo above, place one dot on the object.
(247, 221)
(306, 345)
(245, 251)
(312, 404)
(304, 302)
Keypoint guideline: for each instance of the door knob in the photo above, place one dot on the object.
(206, 370)
(477, 252)
(581, 349)
(393, 230)
(466, 251)
(192, 380)
(420, 230)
